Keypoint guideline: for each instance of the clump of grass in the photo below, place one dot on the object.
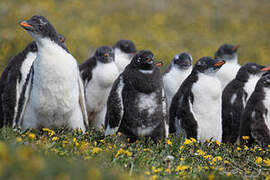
(73, 155)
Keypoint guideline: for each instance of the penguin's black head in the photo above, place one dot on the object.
(208, 65)
(227, 52)
(104, 54)
(39, 27)
(182, 60)
(143, 60)
(253, 68)
(125, 46)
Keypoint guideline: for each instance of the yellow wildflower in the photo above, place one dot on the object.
(238, 149)
(156, 170)
(211, 176)
(96, 150)
(181, 168)
(221, 169)
(187, 141)
(155, 177)
(207, 157)
(122, 151)
(219, 158)
(268, 145)
(182, 159)
(95, 143)
(18, 139)
(217, 142)
(102, 141)
(74, 140)
(245, 148)
(147, 149)
(55, 138)
(226, 162)
(200, 152)
(147, 173)
(258, 160)
(228, 174)
(267, 162)
(193, 140)
(169, 142)
(181, 147)
(87, 158)
(245, 137)
(31, 136)
(119, 133)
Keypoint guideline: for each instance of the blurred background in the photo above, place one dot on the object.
(166, 27)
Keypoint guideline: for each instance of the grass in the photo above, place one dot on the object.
(47, 154)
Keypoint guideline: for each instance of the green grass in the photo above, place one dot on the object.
(73, 155)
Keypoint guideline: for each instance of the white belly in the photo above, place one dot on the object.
(227, 73)
(266, 103)
(207, 107)
(173, 80)
(250, 86)
(98, 90)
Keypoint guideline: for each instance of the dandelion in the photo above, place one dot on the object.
(267, 162)
(31, 136)
(18, 139)
(74, 140)
(119, 133)
(258, 160)
(221, 169)
(217, 142)
(187, 141)
(87, 158)
(245, 148)
(228, 174)
(156, 170)
(147, 173)
(226, 162)
(200, 152)
(169, 142)
(219, 158)
(207, 157)
(55, 138)
(181, 168)
(155, 177)
(238, 149)
(146, 149)
(124, 152)
(193, 140)
(245, 137)
(211, 176)
(181, 147)
(96, 150)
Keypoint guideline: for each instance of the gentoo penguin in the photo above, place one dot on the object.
(234, 98)
(228, 72)
(13, 79)
(124, 50)
(196, 107)
(98, 73)
(53, 95)
(137, 105)
(255, 119)
(178, 70)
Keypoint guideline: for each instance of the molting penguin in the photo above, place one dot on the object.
(98, 73)
(255, 119)
(234, 98)
(175, 74)
(53, 95)
(12, 81)
(124, 50)
(228, 72)
(196, 107)
(137, 105)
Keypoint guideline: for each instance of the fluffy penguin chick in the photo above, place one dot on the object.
(255, 119)
(136, 105)
(53, 95)
(228, 72)
(124, 50)
(176, 73)
(12, 81)
(234, 98)
(196, 107)
(98, 73)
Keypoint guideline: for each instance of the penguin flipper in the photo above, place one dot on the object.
(82, 101)
(24, 98)
(259, 131)
(115, 108)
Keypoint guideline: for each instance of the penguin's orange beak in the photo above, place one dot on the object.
(159, 64)
(219, 63)
(235, 47)
(267, 68)
(24, 24)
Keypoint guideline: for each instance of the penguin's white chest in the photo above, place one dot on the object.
(98, 89)
(207, 107)
(266, 103)
(121, 60)
(250, 86)
(55, 87)
(173, 80)
(227, 73)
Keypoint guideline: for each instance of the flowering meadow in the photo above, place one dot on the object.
(47, 154)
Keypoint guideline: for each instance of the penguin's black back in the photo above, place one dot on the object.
(87, 67)
(8, 82)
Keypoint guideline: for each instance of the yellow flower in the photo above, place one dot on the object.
(211, 176)
(74, 140)
(31, 136)
(187, 141)
(87, 158)
(219, 158)
(124, 152)
(155, 177)
(200, 152)
(181, 147)
(156, 170)
(119, 133)
(193, 140)
(181, 168)
(245, 148)
(228, 174)
(207, 157)
(238, 149)
(96, 150)
(147, 173)
(18, 139)
(226, 162)
(258, 160)
(147, 149)
(221, 169)
(169, 142)
(268, 146)
(267, 162)
(217, 142)
(55, 138)
(102, 141)
(245, 137)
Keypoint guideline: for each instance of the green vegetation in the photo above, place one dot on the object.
(73, 155)
(165, 27)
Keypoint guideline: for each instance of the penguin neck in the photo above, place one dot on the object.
(46, 45)
(234, 60)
